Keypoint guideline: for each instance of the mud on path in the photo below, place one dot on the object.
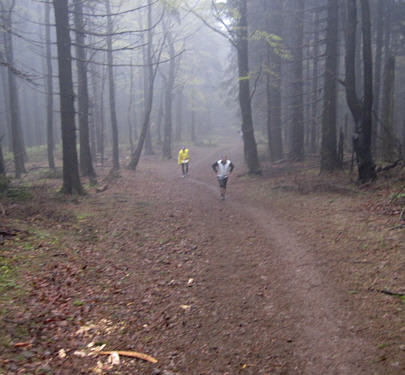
(160, 265)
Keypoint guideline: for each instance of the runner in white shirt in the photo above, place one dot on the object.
(222, 168)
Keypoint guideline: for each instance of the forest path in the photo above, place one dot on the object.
(259, 305)
(158, 264)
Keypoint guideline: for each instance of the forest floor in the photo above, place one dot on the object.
(288, 275)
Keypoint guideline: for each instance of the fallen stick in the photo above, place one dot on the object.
(388, 292)
(22, 344)
(126, 353)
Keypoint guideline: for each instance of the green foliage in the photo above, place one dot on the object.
(274, 41)
(398, 197)
(83, 216)
(7, 276)
(245, 78)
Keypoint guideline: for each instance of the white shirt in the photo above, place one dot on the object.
(223, 169)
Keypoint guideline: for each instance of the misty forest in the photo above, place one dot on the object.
(194, 187)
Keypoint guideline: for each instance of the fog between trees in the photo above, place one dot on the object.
(118, 79)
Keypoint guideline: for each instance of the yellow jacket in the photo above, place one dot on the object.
(183, 156)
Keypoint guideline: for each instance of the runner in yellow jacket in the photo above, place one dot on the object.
(183, 160)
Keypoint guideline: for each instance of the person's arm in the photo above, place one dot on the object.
(215, 167)
(231, 166)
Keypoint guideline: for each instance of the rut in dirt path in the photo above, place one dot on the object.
(268, 297)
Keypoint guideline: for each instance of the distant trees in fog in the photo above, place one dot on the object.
(308, 77)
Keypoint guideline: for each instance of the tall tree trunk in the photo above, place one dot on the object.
(2, 165)
(329, 157)
(274, 26)
(387, 54)
(71, 179)
(146, 85)
(15, 114)
(361, 110)
(179, 115)
(98, 83)
(193, 133)
(249, 141)
(403, 130)
(151, 74)
(167, 139)
(379, 20)
(130, 106)
(160, 114)
(86, 164)
(110, 62)
(315, 83)
(387, 111)
(7, 120)
(297, 125)
(102, 117)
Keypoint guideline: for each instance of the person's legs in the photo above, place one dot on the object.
(222, 187)
(186, 168)
(222, 193)
(183, 171)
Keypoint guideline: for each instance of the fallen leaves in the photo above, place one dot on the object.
(62, 354)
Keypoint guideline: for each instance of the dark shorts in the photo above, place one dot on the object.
(222, 181)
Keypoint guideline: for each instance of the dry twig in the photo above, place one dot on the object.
(126, 353)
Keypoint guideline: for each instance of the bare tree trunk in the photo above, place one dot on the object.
(110, 62)
(151, 74)
(86, 164)
(403, 130)
(7, 120)
(130, 106)
(193, 133)
(179, 115)
(160, 114)
(329, 157)
(146, 78)
(315, 83)
(71, 179)
(387, 111)
(98, 83)
(15, 115)
(297, 126)
(167, 139)
(2, 165)
(361, 110)
(379, 20)
(245, 102)
(273, 84)
(102, 117)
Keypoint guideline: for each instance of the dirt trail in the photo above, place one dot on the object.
(159, 264)
(260, 298)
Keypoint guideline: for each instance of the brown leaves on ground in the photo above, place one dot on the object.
(125, 269)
